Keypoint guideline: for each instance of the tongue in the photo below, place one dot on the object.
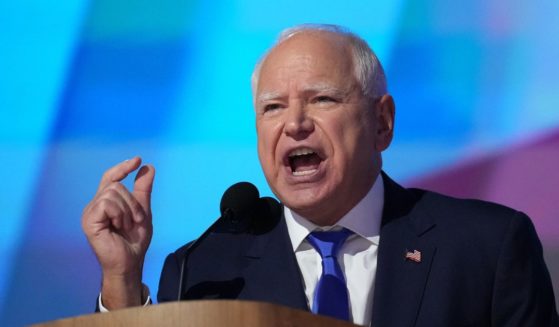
(305, 162)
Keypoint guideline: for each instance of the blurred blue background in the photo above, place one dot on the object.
(87, 84)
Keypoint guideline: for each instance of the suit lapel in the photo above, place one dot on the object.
(273, 271)
(400, 282)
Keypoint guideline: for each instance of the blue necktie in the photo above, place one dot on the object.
(330, 295)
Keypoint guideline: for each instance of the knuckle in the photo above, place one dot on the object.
(137, 208)
(117, 186)
(105, 178)
(117, 190)
(112, 186)
(111, 193)
(106, 205)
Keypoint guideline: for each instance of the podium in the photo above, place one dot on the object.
(203, 313)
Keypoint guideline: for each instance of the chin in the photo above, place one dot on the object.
(307, 202)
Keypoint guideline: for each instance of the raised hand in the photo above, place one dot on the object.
(118, 226)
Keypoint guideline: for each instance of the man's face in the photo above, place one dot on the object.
(317, 132)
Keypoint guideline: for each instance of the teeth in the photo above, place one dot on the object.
(304, 172)
(301, 152)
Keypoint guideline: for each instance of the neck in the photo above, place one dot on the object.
(333, 210)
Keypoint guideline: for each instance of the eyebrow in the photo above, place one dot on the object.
(315, 88)
(266, 96)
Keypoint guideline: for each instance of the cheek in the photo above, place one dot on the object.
(263, 148)
(267, 144)
(352, 138)
(341, 131)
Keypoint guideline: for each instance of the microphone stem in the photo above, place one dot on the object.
(191, 247)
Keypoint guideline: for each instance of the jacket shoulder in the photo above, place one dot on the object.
(463, 212)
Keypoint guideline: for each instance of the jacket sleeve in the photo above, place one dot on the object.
(169, 280)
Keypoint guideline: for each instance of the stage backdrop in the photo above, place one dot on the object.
(87, 84)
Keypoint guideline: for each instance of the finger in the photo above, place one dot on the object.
(113, 194)
(133, 207)
(143, 185)
(107, 211)
(119, 172)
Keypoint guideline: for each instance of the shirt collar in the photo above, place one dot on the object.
(364, 219)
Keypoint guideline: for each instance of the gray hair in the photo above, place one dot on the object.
(367, 68)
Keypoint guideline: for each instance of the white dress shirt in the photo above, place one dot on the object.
(357, 256)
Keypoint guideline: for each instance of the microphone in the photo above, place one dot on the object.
(269, 213)
(239, 202)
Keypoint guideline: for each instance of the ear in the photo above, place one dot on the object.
(384, 113)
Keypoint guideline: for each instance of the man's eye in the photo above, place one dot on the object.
(324, 98)
(271, 106)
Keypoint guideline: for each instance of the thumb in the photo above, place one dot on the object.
(143, 185)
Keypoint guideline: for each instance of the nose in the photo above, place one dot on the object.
(298, 124)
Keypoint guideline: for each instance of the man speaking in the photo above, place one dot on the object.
(350, 242)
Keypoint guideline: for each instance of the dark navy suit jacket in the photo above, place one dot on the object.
(481, 265)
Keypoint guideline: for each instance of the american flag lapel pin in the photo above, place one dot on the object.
(413, 256)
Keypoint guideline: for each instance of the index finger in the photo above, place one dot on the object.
(119, 172)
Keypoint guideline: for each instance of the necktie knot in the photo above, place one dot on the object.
(327, 244)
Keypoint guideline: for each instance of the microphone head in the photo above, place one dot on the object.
(239, 198)
(267, 216)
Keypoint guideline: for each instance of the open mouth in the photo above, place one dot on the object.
(303, 161)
